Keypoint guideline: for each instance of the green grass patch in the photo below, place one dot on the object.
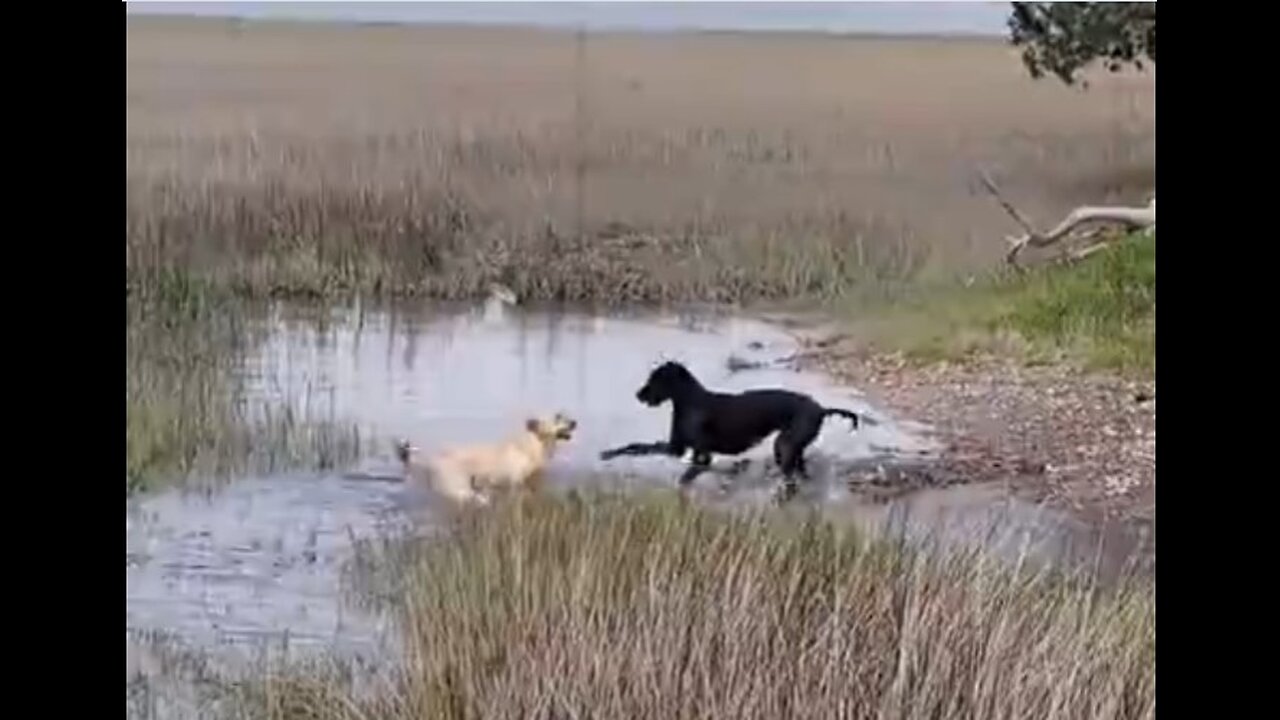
(1099, 313)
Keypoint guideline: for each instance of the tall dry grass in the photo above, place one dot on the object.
(311, 159)
(625, 607)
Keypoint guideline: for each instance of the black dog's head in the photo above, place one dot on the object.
(668, 381)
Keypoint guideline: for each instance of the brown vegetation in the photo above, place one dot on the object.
(297, 158)
(627, 608)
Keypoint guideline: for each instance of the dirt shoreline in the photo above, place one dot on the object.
(1077, 441)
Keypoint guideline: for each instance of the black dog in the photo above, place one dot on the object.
(709, 422)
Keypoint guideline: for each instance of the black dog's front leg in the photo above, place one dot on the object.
(700, 464)
(657, 448)
(675, 446)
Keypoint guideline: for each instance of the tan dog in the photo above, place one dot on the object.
(466, 474)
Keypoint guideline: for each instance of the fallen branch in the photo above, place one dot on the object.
(1085, 252)
(1131, 218)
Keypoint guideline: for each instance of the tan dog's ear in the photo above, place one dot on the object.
(531, 425)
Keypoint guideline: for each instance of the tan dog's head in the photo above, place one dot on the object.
(559, 427)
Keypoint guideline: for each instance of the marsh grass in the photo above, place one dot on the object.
(613, 606)
(432, 161)
(186, 416)
(170, 679)
(425, 239)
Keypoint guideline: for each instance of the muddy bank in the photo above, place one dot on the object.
(1080, 442)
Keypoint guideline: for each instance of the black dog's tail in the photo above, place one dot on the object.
(854, 417)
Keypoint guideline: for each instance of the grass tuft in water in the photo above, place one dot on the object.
(186, 416)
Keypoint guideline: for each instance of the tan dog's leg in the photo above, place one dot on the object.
(535, 481)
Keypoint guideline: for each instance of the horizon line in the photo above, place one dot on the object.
(620, 29)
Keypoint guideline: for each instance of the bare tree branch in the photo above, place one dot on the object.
(1017, 216)
(1131, 218)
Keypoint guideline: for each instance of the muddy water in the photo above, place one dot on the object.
(260, 561)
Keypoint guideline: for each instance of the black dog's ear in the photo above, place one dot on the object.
(676, 369)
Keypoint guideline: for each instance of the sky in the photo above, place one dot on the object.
(969, 18)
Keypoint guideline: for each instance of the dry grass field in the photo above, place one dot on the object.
(312, 159)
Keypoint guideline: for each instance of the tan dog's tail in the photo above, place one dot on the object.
(403, 450)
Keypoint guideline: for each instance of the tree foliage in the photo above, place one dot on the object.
(1062, 38)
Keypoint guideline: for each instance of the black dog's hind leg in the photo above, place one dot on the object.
(782, 455)
(788, 452)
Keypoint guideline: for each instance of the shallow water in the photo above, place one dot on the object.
(260, 561)
(456, 378)
(259, 558)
